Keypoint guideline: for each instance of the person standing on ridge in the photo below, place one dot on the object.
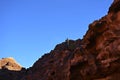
(67, 42)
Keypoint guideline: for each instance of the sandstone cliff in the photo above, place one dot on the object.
(95, 57)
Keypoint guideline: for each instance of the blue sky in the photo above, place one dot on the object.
(31, 28)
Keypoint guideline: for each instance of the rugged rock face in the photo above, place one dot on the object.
(95, 57)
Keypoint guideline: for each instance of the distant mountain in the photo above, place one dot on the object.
(10, 69)
(95, 57)
(10, 64)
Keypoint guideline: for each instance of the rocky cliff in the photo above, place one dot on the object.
(95, 57)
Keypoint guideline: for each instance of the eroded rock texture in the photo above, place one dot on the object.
(95, 57)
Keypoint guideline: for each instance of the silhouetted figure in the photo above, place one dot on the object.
(67, 42)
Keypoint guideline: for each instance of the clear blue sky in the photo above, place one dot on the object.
(30, 28)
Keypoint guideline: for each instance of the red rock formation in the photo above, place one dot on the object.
(95, 57)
